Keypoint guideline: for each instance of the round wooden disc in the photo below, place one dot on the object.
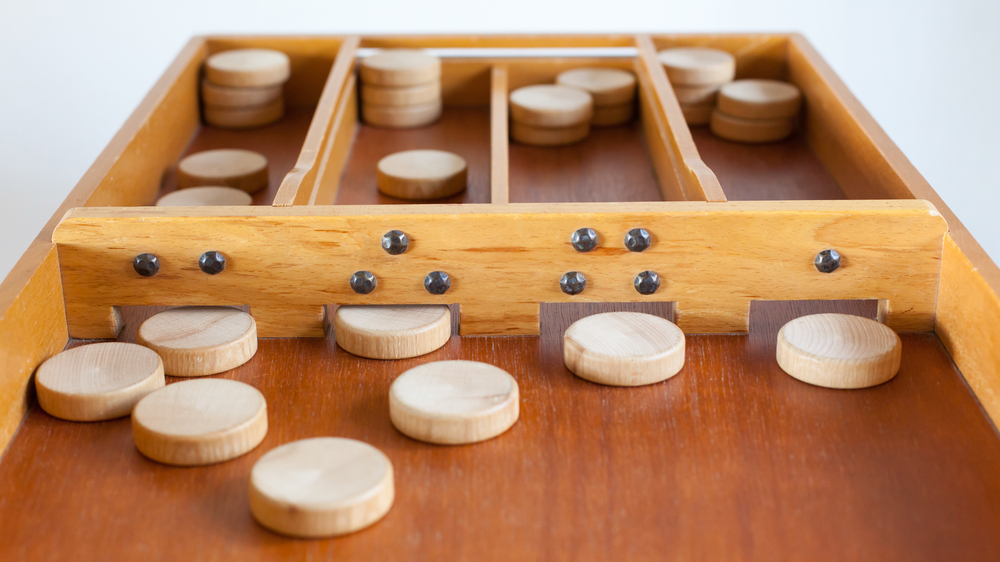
(199, 422)
(224, 96)
(207, 196)
(545, 136)
(321, 487)
(611, 115)
(392, 332)
(697, 95)
(400, 67)
(751, 130)
(624, 348)
(607, 86)
(839, 351)
(550, 105)
(231, 167)
(100, 381)
(759, 99)
(422, 174)
(698, 114)
(245, 117)
(698, 66)
(248, 68)
(453, 402)
(405, 96)
(401, 117)
(200, 340)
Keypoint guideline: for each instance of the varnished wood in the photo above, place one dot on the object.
(499, 155)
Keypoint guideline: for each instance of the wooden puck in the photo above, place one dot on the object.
(607, 86)
(550, 105)
(401, 117)
(248, 68)
(698, 66)
(453, 402)
(321, 487)
(422, 174)
(400, 67)
(624, 348)
(195, 341)
(839, 351)
(611, 115)
(751, 130)
(230, 167)
(698, 114)
(760, 99)
(548, 136)
(100, 381)
(245, 117)
(392, 332)
(225, 96)
(405, 95)
(207, 196)
(199, 422)
(697, 95)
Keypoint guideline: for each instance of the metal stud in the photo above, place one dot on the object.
(637, 240)
(363, 282)
(573, 283)
(395, 242)
(146, 265)
(437, 282)
(827, 261)
(584, 240)
(647, 282)
(212, 262)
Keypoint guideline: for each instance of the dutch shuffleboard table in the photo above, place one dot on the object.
(732, 459)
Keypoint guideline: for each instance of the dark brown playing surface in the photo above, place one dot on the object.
(732, 459)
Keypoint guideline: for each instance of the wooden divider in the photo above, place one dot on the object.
(499, 153)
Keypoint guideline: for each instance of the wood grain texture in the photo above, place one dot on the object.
(551, 105)
(392, 332)
(399, 68)
(248, 68)
(624, 349)
(401, 117)
(200, 340)
(244, 117)
(717, 261)
(422, 174)
(453, 402)
(499, 154)
(233, 167)
(588, 473)
(335, 152)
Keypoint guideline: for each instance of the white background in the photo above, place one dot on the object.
(71, 73)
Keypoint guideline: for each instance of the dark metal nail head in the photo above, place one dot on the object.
(395, 242)
(637, 240)
(827, 261)
(437, 282)
(573, 283)
(584, 240)
(146, 265)
(212, 262)
(363, 282)
(647, 282)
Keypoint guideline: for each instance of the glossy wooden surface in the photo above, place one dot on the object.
(731, 448)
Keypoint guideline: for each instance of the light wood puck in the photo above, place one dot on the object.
(248, 68)
(405, 95)
(624, 348)
(225, 96)
(401, 117)
(839, 351)
(321, 487)
(392, 332)
(698, 114)
(400, 67)
(195, 341)
(245, 117)
(550, 105)
(207, 196)
(548, 136)
(697, 95)
(760, 99)
(698, 66)
(611, 115)
(751, 130)
(422, 174)
(607, 86)
(453, 402)
(100, 381)
(230, 167)
(199, 422)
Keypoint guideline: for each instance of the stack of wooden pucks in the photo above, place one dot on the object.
(612, 90)
(400, 88)
(550, 114)
(697, 74)
(243, 88)
(756, 111)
